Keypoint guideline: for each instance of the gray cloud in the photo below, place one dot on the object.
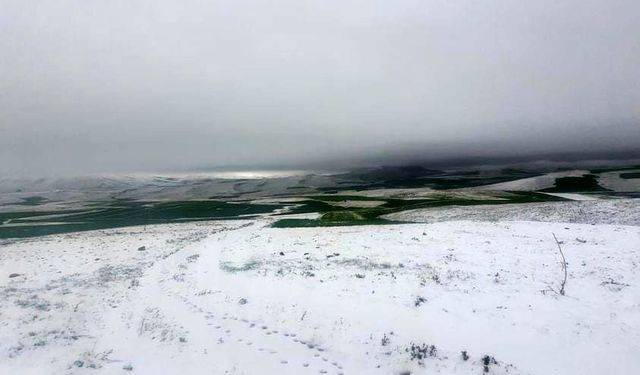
(90, 86)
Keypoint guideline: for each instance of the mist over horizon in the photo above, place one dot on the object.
(93, 87)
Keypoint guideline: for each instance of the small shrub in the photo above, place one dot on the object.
(193, 258)
(421, 352)
(233, 268)
(487, 361)
(385, 340)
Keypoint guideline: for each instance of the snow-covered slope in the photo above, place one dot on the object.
(532, 183)
(612, 211)
(243, 298)
(613, 181)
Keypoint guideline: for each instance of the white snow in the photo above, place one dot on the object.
(532, 183)
(575, 196)
(613, 181)
(611, 211)
(240, 297)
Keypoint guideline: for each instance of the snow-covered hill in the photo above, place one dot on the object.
(243, 298)
(611, 211)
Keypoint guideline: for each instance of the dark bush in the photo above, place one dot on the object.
(487, 361)
(421, 352)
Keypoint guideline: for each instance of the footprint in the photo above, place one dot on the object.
(316, 350)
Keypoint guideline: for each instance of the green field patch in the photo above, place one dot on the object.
(342, 216)
(372, 216)
(309, 223)
(630, 176)
(587, 182)
(614, 169)
(342, 198)
(309, 206)
(128, 213)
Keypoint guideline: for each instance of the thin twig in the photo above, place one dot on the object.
(564, 265)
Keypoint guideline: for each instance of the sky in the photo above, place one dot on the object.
(90, 86)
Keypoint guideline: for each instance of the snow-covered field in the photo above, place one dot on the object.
(544, 181)
(239, 297)
(608, 211)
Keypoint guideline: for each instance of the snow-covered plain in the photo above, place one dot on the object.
(239, 297)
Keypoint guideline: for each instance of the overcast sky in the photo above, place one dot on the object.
(93, 85)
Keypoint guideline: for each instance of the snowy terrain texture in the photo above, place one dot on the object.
(238, 297)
